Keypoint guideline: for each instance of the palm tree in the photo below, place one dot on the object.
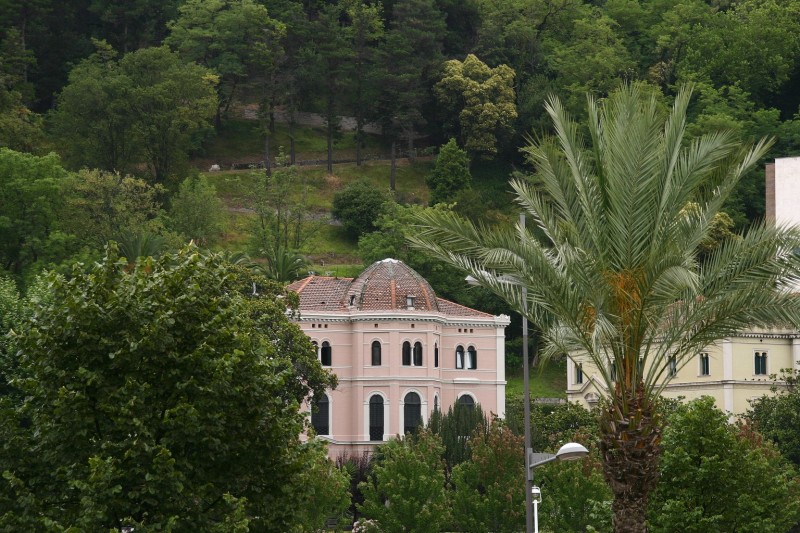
(610, 267)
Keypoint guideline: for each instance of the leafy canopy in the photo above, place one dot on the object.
(717, 477)
(163, 396)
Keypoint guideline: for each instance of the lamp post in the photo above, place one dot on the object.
(571, 451)
(567, 452)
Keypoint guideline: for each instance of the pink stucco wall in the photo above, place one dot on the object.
(351, 335)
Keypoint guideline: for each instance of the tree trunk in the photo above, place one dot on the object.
(393, 171)
(411, 155)
(267, 160)
(330, 149)
(630, 443)
(292, 154)
(23, 30)
(358, 145)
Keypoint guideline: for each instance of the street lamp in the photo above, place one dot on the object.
(567, 452)
(571, 451)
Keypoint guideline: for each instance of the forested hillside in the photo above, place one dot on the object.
(136, 96)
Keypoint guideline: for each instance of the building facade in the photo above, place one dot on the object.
(733, 371)
(399, 352)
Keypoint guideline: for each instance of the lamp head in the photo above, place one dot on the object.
(571, 451)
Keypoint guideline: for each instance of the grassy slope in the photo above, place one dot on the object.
(241, 140)
(547, 382)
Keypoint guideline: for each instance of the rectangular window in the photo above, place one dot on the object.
(578, 373)
(760, 363)
(673, 366)
(705, 365)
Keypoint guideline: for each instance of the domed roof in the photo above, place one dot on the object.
(389, 285)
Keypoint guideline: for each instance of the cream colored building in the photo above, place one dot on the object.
(737, 369)
(733, 371)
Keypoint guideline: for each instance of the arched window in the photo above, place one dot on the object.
(459, 357)
(472, 358)
(412, 413)
(436, 355)
(406, 353)
(325, 354)
(467, 401)
(320, 415)
(376, 417)
(417, 354)
(578, 373)
(435, 403)
(376, 353)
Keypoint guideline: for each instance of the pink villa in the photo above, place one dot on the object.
(399, 352)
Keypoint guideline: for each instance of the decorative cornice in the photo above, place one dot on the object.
(391, 380)
(350, 318)
(767, 335)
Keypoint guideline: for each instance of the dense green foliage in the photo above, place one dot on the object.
(777, 417)
(739, 483)
(487, 495)
(147, 107)
(171, 404)
(450, 174)
(482, 98)
(358, 206)
(125, 92)
(455, 428)
(196, 211)
(407, 491)
(29, 202)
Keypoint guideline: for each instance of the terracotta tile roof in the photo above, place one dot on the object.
(453, 309)
(321, 293)
(383, 286)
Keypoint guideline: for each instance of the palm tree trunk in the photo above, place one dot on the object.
(630, 438)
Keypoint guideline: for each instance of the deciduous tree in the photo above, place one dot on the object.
(358, 206)
(716, 477)
(30, 197)
(777, 416)
(407, 492)
(489, 490)
(149, 106)
(233, 38)
(196, 211)
(162, 397)
(483, 99)
(99, 206)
